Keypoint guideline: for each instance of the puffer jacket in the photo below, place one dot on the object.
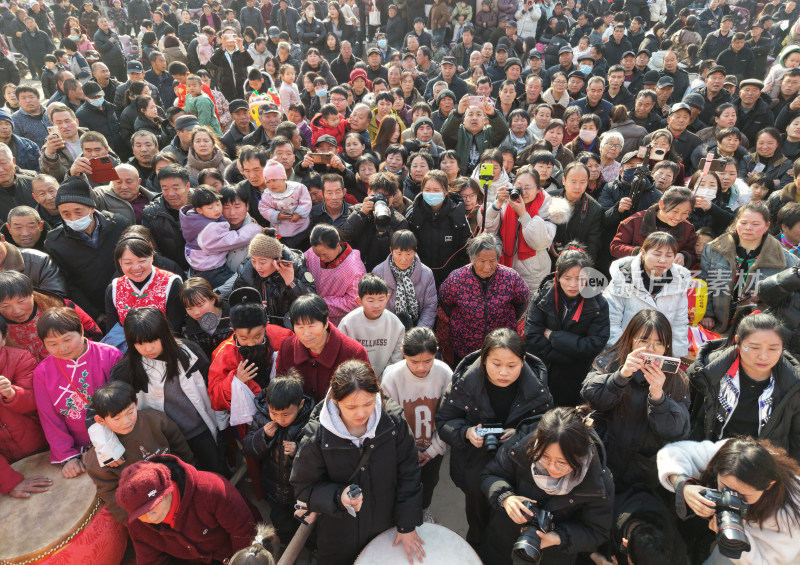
(389, 480)
(585, 224)
(626, 296)
(718, 268)
(582, 517)
(442, 235)
(538, 233)
(277, 295)
(779, 170)
(486, 20)
(360, 231)
(103, 120)
(633, 425)
(476, 307)
(465, 404)
(705, 374)
(37, 266)
(456, 136)
(276, 466)
(528, 20)
(310, 33)
(634, 230)
(576, 337)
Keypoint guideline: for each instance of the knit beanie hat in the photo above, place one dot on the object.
(422, 121)
(75, 191)
(5, 116)
(141, 486)
(265, 247)
(274, 170)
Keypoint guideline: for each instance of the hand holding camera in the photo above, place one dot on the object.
(352, 499)
(537, 536)
(517, 510)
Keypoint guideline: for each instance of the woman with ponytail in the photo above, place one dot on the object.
(763, 475)
(566, 327)
(639, 407)
(559, 467)
(747, 385)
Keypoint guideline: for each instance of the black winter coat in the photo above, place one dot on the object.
(103, 120)
(87, 269)
(9, 73)
(466, 404)
(20, 193)
(110, 51)
(582, 517)
(166, 231)
(572, 345)
(192, 331)
(277, 295)
(634, 434)
(585, 225)
(781, 292)
(705, 374)
(390, 483)
(310, 34)
(442, 235)
(276, 466)
(360, 232)
(231, 83)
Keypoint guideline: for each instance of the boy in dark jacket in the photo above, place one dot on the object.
(282, 411)
(142, 434)
(49, 82)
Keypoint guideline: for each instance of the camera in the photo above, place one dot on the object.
(491, 435)
(730, 508)
(528, 547)
(514, 194)
(381, 212)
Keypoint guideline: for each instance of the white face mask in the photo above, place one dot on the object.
(706, 193)
(80, 224)
(587, 135)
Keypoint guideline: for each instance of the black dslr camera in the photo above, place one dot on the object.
(514, 194)
(730, 507)
(381, 212)
(491, 435)
(528, 547)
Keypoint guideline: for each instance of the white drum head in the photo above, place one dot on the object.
(442, 547)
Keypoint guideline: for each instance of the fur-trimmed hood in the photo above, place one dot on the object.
(560, 210)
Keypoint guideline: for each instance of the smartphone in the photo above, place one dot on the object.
(103, 170)
(53, 130)
(476, 101)
(322, 158)
(657, 154)
(487, 171)
(668, 365)
(642, 152)
(717, 166)
(759, 167)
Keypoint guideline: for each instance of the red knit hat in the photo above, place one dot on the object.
(141, 486)
(360, 73)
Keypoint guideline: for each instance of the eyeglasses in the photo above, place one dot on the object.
(559, 82)
(614, 145)
(560, 465)
(651, 344)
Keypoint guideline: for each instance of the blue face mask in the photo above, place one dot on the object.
(382, 43)
(81, 224)
(586, 69)
(322, 92)
(96, 102)
(628, 174)
(423, 142)
(433, 198)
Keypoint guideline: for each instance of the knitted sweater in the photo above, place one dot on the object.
(419, 398)
(382, 337)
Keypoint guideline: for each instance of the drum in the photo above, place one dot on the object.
(442, 547)
(67, 525)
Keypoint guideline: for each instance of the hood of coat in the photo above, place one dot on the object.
(193, 223)
(771, 257)
(559, 210)
(628, 270)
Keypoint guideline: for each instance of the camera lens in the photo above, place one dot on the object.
(491, 442)
(527, 548)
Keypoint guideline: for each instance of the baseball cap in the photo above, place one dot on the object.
(535, 54)
(135, 67)
(645, 51)
(679, 106)
(631, 53)
(188, 122)
(373, 50)
(651, 77)
(327, 139)
(237, 105)
(91, 89)
(449, 60)
(511, 23)
(274, 31)
(565, 49)
(664, 82)
(142, 486)
(268, 108)
(731, 80)
(695, 100)
(716, 69)
(628, 156)
(577, 74)
(501, 47)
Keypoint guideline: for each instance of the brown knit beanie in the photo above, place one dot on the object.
(265, 247)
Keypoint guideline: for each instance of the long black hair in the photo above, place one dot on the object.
(144, 325)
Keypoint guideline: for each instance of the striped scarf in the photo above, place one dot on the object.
(729, 391)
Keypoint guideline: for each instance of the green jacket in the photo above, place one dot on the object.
(457, 137)
(203, 108)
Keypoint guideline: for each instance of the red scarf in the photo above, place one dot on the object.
(510, 230)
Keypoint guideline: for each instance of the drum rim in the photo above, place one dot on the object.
(56, 546)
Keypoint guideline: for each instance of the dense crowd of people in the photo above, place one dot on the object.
(332, 241)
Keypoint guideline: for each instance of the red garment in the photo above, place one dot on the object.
(513, 242)
(183, 90)
(224, 362)
(24, 335)
(169, 519)
(125, 296)
(320, 128)
(21, 433)
(212, 522)
(632, 232)
(318, 371)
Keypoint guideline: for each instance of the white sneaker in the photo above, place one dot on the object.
(428, 517)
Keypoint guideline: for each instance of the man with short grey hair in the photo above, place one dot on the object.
(125, 196)
(15, 185)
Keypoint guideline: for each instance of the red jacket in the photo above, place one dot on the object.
(320, 128)
(21, 433)
(212, 522)
(224, 362)
(632, 232)
(318, 371)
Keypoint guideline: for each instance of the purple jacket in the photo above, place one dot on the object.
(424, 287)
(208, 241)
(474, 312)
(507, 8)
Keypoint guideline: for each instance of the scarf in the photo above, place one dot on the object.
(562, 486)
(550, 99)
(789, 246)
(343, 254)
(729, 389)
(405, 298)
(510, 230)
(261, 355)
